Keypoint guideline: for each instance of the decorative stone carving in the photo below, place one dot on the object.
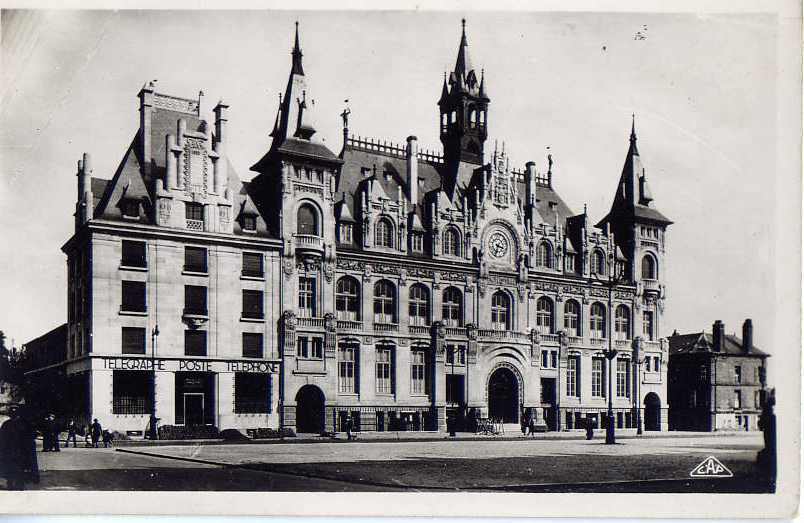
(289, 320)
(403, 277)
(367, 273)
(535, 337)
(471, 331)
(164, 209)
(329, 271)
(287, 267)
(330, 322)
(439, 330)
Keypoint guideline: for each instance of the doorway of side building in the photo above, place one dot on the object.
(504, 396)
(653, 412)
(548, 395)
(310, 410)
(195, 398)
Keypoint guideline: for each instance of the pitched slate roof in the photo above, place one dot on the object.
(702, 342)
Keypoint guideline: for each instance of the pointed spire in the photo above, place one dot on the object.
(297, 55)
(444, 89)
(483, 83)
(275, 131)
(633, 139)
(463, 64)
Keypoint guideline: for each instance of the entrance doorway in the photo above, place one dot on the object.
(193, 408)
(653, 412)
(310, 410)
(504, 396)
(548, 391)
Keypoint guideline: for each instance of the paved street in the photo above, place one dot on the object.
(648, 464)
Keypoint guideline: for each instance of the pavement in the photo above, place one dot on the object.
(549, 464)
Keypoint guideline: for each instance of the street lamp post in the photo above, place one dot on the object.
(640, 361)
(152, 432)
(613, 280)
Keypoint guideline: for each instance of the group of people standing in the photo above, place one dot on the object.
(18, 462)
(528, 423)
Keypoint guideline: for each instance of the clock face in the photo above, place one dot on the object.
(498, 245)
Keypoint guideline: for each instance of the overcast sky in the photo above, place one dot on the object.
(702, 87)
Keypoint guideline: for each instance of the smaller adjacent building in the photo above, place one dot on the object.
(716, 381)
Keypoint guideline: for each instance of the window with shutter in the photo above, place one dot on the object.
(133, 340)
(195, 300)
(252, 304)
(195, 259)
(195, 343)
(252, 345)
(133, 296)
(252, 264)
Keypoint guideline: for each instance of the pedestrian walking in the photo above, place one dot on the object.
(72, 429)
(96, 430)
(53, 427)
(349, 427)
(532, 427)
(87, 436)
(47, 444)
(589, 432)
(18, 451)
(107, 438)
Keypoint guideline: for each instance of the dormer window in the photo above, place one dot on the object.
(345, 233)
(130, 208)
(570, 263)
(249, 222)
(417, 242)
(194, 214)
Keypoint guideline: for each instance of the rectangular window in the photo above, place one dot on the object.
(133, 296)
(623, 383)
(572, 376)
(249, 222)
(347, 368)
(647, 325)
(738, 374)
(131, 208)
(302, 347)
(131, 392)
(345, 233)
(195, 259)
(317, 348)
(647, 363)
(306, 297)
(384, 368)
(133, 340)
(738, 401)
(194, 216)
(195, 343)
(251, 393)
(252, 304)
(133, 254)
(195, 300)
(757, 400)
(545, 359)
(456, 355)
(252, 264)
(418, 370)
(252, 345)
(417, 242)
(657, 364)
(554, 359)
(570, 263)
(598, 386)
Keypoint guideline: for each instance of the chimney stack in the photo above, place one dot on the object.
(413, 169)
(84, 200)
(718, 336)
(748, 335)
(146, 96)
(530, 183)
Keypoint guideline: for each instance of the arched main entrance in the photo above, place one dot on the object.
(310, 409)
(504, 395)
(653, 412)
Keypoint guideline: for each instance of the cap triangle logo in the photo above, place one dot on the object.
(711, 467)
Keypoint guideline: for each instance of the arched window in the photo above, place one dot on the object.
(572, 318)
(347, 299)
(544, 255)
(307, 220)
(500, 311)
(481, 117)
(622, 322)
(452, 307)
(597, 320)
(384, 302)
(419, 305)
(544, 315)
(384, 233)
(598, 262)
(649, 268)
(444, 120)
(452, 242)
(472, 117)
(453, 116)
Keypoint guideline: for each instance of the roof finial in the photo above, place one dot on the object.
(463, 25)
(633, 127)
(297, 54)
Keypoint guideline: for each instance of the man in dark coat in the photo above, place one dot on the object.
(96, 430)
(18, 452)
(53, 429)
(71, 433)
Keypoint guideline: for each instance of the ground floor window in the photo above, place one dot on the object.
(252, 393)
(131, 392)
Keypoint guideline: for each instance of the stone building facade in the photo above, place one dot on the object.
(172, 283)
(422, 287)
(397, 287)
(716, 381)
